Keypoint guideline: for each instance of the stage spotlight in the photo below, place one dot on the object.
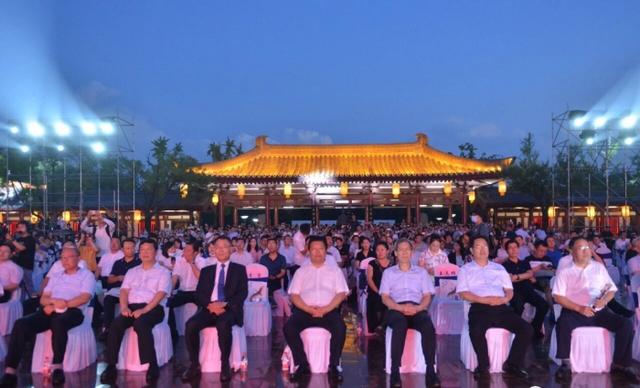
(88, 128)
(35, 129)
(97, 147)
(628, 141)
(629, 121)
(107, 128)
(599, 122)
(25, 148)
(60, 147)
(579, 122)
(590, 140)
(13, 129)
(62, 129)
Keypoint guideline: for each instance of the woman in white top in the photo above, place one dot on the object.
(433, 256)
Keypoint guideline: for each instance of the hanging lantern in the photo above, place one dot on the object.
(472, 196)
(591, 212)
(184, 190)
(625, 211)
(66, 216)
(1, 217)
(241, 191)
(395, 190)
(287, 190)
(215, 198)
(551, 212)
(447, 189)
(344, 189)
(34, 218)
(502, 187)
(137, 215)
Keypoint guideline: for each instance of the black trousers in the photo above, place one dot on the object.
(300, 320)
(621, 326)
(26, 328)
(143, 327)
(6, 296)
(483, 317)
(421, 322)
(201, 320)
(528, 295)
(110, 302)
(375, 310)
(179, 299)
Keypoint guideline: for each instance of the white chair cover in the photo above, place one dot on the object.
(129, 358)
(412, 356)
(448, 316)
(10, 312)
(210, 351)
(498, 345)
(182, 315)
(80, 352)
(591, 349)
(362, 302)
(362, 271)
(257, 312)
(283, 304)
(316, 343)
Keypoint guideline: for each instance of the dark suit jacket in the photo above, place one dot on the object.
(235, 289)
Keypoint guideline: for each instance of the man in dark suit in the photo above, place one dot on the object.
(220, 295)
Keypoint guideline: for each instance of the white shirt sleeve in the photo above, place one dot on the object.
(560, 284)
(165, 283)
(505, 280)
(296, 287)
(128, 278)
(605, 274)
(88, 283)
(341, 283)
(427, 284)
(463, 283)
(50, 284)
(16, 275)
(384, 284)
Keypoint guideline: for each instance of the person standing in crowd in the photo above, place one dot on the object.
(406, 290)
(584, 289)
(300, 245)
(25, 246)
(143, 291)
(186, 273)
(523, 291)
(10, 273)
(316, 292)
(287, 250)
(88, 251)
(61, 309)
(480, 228)
(276, 264)
(243, 256)
(106, 262)
(114, 282)
(101, 229)
(375, 308)
(634, 250)
(487, 286)
(220, 294)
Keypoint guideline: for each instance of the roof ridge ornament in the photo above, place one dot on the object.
(261, 141)
(423, 139)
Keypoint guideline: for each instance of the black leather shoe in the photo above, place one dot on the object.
(394, 380)
(335, 374)
(9, 380)
(431, 380)
(109, 375)
(302, 373)
(152, 374)
(627, 373)
(514, 371)
(481, 374)
(563, 374)
(57, 378)
(192, 373)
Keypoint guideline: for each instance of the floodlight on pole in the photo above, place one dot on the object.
(25, 148)
(89, 128)
(60, 147)
(579, 122)
(35, 129)
(107, 128)
(590, 140)
(62, 129)
(628, 141)
(13, 129)
(97, 147)
(628, 122)
(599, 122)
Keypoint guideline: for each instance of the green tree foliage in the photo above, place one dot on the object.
(224, 151)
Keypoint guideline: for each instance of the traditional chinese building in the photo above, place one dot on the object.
(411, 175)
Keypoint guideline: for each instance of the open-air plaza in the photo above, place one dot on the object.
(419, 194)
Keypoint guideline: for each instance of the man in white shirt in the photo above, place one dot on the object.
(333, 251)
(287, 250)
(101, 229)
(142, 296)
(62, 303)
(487, 286)
(241, 256)
(406, 290)
(584, 289)
(300, 245)
(186, 273)
(316, 291)
(106, 261)
(10, 273)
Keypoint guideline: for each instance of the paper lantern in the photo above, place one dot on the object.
(625, 211)
(551, 212)
(472, 196)
(344, 189)
(502, 187)
(184, 190)
(447, 189)
(34, 218)
(287, 190)
(215, 198)
(591, 212)
(395, 190)
(137, 215)
(241, 191)
(66, 216)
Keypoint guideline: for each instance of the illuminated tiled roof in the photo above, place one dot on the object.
(415, 161)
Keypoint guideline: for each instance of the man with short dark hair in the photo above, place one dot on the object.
(25, 247)
(276, 264)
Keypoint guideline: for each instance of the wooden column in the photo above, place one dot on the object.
(276, 220)
(267, 209)
(465, 211)
(235, 216)
(408, 213)
(316, 216)
(449, 211)
(221, 209)
(417, 206)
